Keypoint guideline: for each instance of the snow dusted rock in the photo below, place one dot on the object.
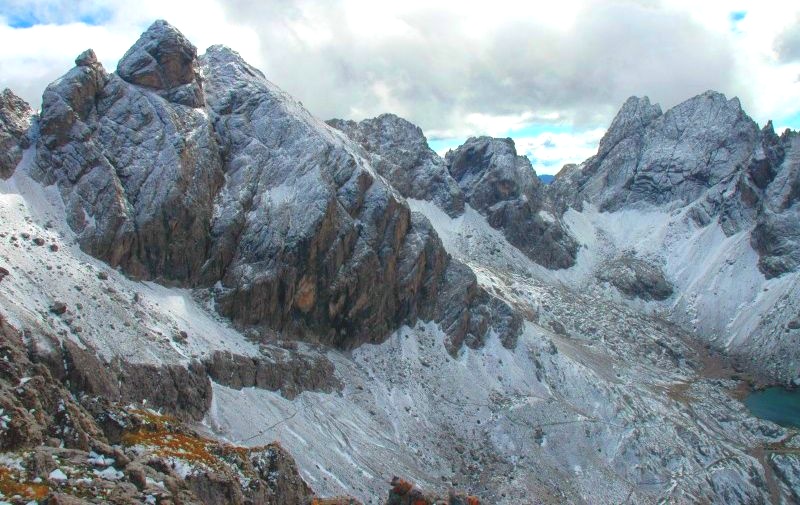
(659, 158)
(289, 373)
(165, 61)
(636, 278)
(705, 153)
(139, 200)
(776, 235)
(711, 199)
(15, 119)
(57, 445)
(38, 407)
(339, 238)
(300, 234)
(504, 187)
(243, 187)
(399, 151)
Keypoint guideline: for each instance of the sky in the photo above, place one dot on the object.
(550, 75)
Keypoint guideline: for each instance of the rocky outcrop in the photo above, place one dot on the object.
(137, 173)
(636, 278)
(342, 259)
(399, 151)
(15, 119)
(35, 406)
(405, 493)
(467, 313)
(289, 373)
(504, 187)
(242, 189)
(182, 391)
(776, 235)
(165, 61)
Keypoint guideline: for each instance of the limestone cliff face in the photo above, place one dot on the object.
(228, 181)
(15, 119)
(486, 173)
(399, 151)
(705, 154)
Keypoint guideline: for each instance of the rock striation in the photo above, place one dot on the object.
(503, 186)
(15, 119)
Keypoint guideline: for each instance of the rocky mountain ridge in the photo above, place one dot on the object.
(393, 312)
(184, 199)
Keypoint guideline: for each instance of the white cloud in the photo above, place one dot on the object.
(549, 151)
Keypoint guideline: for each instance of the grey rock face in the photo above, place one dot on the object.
(776, 235)
(636, 278)
(705, 154)
(165, 61)
(290, 374)
(15, 119)
(467, 313)
(658, 158)
(339, 239)
(243, 187)
(504, 187)
(399, 151)
(138, 173)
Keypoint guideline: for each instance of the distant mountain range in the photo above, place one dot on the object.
(547, 178)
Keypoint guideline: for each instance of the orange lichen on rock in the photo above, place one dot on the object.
(178, 445)
(401, 486)
(152, 418)
(12, 485)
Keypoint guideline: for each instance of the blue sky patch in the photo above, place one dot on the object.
(735, 18)
(26, 18)
(790, 121)
(20, 20)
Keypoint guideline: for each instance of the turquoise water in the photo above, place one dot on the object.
(776, 404)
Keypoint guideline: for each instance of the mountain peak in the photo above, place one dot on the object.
(163, 59)
(635, 114)
(86, 59)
